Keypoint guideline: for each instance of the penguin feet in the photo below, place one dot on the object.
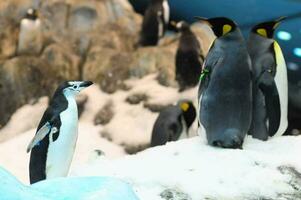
(229, 141)
(233, 144)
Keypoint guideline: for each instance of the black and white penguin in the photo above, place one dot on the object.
(189, 58)
(173, 123)
(270, 87)
(155, 22)
(225, 90)
(30, 35)
(53, 145)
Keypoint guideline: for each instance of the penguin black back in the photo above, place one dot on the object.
(225, 88)
(172, 122)
(266, 100)
(188, 58)
(38, 156)
(154, 25)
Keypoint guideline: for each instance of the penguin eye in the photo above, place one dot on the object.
(74, 86)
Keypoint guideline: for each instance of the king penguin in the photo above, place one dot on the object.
(53, 145)
(173, 123)
(225, 90)
(155, 22)
(30, 35)
(189, 58)
(270, 87)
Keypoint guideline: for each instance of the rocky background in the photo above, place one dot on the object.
(80, 39)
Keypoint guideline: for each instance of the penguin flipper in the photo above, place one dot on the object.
(40, 135)
(272, 101)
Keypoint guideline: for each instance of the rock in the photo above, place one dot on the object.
(23, 79)
(8, 39)
(81, 101)
(136, 98)
(63, 61)
(133, 149)
(205, 36)
(154, 107)
(105, 114)
(106, 135)
(174, 194)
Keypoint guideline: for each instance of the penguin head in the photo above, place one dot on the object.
(266, 29)
(32, 14)
(72, 88)
(220, 25)
(181, 26)
(189, 111)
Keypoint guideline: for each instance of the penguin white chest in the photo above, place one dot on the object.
(30, 39)
(60, 151)
(166, 11)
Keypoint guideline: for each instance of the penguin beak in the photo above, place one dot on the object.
(278, 21)
(85, 84)
(203, 19)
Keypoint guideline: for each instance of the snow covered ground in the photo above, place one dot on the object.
(187, 169)
(194, 170)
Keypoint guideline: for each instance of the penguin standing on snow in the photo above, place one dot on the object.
(188, 58)
(225, 90)
(173, 122)
(53, 145)
(30, 36)
(270, 87)
(155, 22)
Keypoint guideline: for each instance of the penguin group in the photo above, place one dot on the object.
(242, 89)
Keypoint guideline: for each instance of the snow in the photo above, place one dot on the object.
(202, 171)
(88, 188)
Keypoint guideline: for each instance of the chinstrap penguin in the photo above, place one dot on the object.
(53, 145)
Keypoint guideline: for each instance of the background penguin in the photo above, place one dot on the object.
(225, 90)
(270, 92)
(189, 58)
(155, 22)
(53, 145)
(173, 122)
(30, 36)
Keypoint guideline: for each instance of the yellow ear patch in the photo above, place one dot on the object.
(262, 32)
(184, 106)
(226, 29)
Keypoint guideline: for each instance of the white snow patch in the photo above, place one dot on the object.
(25, 118)
(201, 171)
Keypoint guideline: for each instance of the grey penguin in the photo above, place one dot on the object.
(173, 122)
(30, 34)
(155, 22)
(270, 87)
(225, 89)
(189, 57)
(53, 145)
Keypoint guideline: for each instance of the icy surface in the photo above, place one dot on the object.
(85, 188)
